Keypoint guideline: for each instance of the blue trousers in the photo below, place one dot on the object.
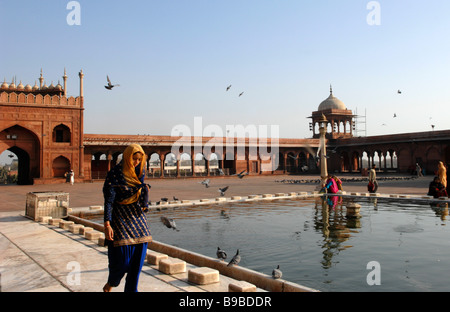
(126, 260)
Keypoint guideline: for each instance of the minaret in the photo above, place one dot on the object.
(65, 82)
(81, 75)
(81, 126)
(41, 80)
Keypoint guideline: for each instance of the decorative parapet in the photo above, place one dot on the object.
(30, 99)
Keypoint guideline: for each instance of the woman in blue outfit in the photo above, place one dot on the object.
(126, 231)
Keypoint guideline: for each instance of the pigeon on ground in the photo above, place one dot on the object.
(110, 85)
(276, 273)
(235, 260)
(205, 183)
(223, 190)
(222, 255)
(169, 223)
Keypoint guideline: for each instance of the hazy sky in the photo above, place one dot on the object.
(174, 59)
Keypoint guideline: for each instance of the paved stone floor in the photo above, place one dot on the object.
(12, 198)
(40, 257)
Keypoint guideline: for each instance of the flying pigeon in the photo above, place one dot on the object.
(222, 255)
(228, 88)
(110, 85)
(276, 273)
(395, 115)
(241, 174)
(399, 92)
(169, 223)
(223, 190)
(241, 93)
(205, 183)
(236, 259)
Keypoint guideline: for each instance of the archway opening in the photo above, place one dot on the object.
(60, 166)
(15, 167)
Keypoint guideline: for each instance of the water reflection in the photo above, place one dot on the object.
(336, 224)
(440, 209)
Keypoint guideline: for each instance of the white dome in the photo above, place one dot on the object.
(332, 102)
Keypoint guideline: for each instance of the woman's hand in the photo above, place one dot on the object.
(109, 233)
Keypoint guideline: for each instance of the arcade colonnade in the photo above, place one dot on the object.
(289, 155)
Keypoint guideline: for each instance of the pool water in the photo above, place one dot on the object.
(318, 246)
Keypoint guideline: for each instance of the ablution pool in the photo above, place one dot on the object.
(317, 245)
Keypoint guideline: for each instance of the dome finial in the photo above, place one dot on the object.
(331, 89)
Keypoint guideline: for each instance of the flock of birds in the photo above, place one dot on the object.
(395, 114)
(110, 86)
(228, 89)
(221, 254)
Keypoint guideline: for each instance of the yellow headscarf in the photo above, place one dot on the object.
(442, 173)
(129, 171)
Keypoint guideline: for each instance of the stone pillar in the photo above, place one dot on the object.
(353, 210)
(161, 165)
(323, 160)
(207, 167)
(41, 81)
(109, 158)
(65, 83)
(81, 75)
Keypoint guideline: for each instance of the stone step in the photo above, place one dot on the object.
(44, 219)
(93, 235)
(54, 221)
(203, 276)
(65, 224)
(154, 257)
(241, 286)
(85, 229)
(172, 266)
(75, 228)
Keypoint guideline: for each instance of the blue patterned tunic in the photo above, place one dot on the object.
(128, 222)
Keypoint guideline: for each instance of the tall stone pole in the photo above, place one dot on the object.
(323, 160)
(81, 130)
(65, 83)
(81, 75)
(41, 81)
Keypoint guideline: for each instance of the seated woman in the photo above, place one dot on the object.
(437, 189)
